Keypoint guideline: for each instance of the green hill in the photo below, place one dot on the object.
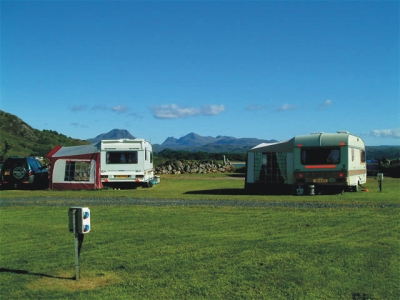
(18, 138)
(381, 152)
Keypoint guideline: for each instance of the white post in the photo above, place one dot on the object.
(380, 178)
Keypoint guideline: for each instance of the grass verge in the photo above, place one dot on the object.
(215, 187)
(203, 252)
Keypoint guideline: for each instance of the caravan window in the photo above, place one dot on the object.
(270, 167)
(362, 156)
(148, 155)
(122, 157)
(77, 171)
(320, 156)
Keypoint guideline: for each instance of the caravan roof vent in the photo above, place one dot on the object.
(344, 132)
(318, 132)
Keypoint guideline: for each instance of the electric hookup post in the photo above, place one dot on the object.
(79, 225)
(379, 176)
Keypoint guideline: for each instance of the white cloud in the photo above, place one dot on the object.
(120, 109)
(385, 133)
(173, 111)
(211, 110)
(326, 104)
(286, 107)
(117, 108)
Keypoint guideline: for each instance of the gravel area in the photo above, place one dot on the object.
(112, 201)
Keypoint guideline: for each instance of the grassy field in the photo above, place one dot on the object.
(217, 186)
(202, 252)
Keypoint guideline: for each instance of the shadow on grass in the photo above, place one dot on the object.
(238, 192)
(217, 192)
(4, 270)
(266, 191)
(236, 175)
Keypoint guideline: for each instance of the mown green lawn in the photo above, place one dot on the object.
(202, 252)
(215, 187)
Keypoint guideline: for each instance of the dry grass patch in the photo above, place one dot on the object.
(64, 282)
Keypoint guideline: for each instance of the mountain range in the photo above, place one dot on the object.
(195, 142)
(191, 142)
(226, 144)
(21, 139)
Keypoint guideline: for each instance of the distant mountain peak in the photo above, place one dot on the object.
(114, 134)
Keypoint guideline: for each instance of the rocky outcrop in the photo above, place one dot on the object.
(179, 167)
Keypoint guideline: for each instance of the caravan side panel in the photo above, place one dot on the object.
(269, 172)
(75, 174)
(290, 176)
(250, 168)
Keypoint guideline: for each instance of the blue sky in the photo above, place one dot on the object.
(262, 69)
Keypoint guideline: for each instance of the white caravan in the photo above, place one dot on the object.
(319, 160)
(126, 163)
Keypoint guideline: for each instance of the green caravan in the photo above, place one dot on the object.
(126, 163)
(320, 161)
(324, 159)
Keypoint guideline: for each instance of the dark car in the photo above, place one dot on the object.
(24, 172)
